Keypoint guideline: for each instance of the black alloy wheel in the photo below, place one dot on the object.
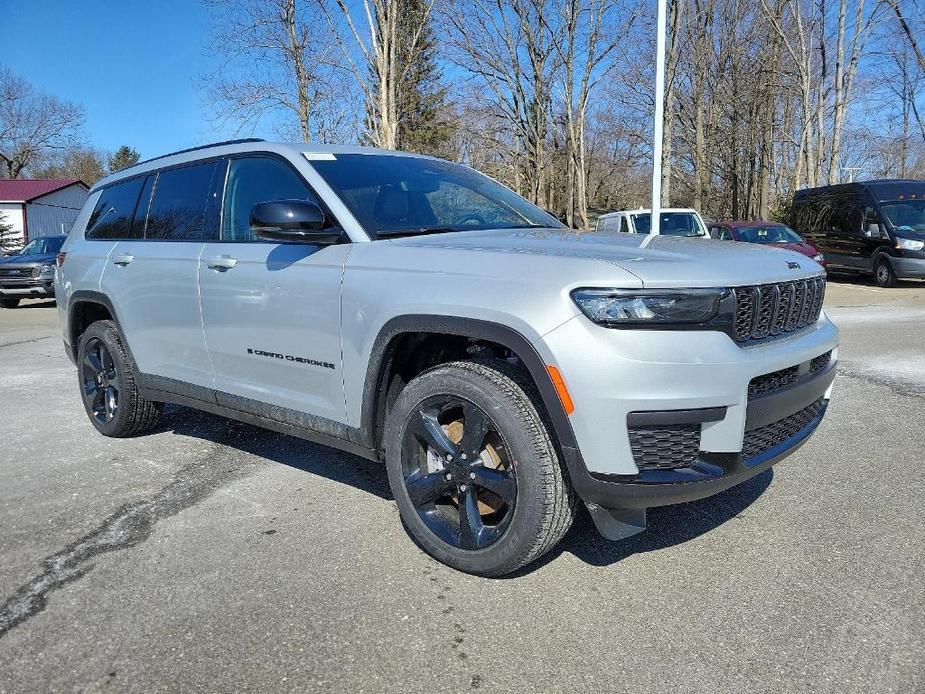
(100, 381)
(458, 472)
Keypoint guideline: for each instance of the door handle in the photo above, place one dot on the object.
(222, 263)
(123, 259)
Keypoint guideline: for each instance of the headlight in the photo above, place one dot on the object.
(44, 270)
(818, 257)
(617, 307)
(909, 244)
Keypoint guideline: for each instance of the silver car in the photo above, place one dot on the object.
(415, 312)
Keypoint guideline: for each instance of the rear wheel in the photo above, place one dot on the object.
(883, 274)
(9, 303)
(473, 470)
(107, 384)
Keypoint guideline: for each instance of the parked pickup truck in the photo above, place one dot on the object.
(415, 312)
(30, 272)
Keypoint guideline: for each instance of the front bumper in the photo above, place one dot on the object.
(703, 379)
(908, 268)
(27, 288)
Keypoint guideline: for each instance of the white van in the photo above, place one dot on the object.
(675, 221)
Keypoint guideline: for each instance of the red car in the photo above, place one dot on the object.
(766, 233)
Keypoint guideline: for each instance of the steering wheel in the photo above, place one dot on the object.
(472, 216)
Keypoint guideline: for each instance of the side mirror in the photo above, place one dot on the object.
(298, 221)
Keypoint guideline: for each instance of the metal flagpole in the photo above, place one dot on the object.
(659, 117)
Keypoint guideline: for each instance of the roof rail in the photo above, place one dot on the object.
(194, 149)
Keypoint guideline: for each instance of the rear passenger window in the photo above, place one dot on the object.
(257, 179)
(181, 199)
(111, 219)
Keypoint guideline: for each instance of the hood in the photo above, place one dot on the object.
(32, 259)
(800, 247)
(658, 261)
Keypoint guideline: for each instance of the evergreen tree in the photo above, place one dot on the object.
(424, 123)
(9, 238)
(124, 157)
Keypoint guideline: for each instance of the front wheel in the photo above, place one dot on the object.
(475, 475)
(883, 274)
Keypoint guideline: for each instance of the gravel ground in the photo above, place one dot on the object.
(217, 556)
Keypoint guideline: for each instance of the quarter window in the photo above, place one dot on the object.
(181, 200)
(112, 216)
(257, 179)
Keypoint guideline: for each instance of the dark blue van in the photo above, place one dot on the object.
(869, 227)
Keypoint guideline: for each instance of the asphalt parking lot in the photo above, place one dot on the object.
(216, 556)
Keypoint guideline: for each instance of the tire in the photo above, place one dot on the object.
(534, 505)
(883, 273)
(9, 303)
(104, 369)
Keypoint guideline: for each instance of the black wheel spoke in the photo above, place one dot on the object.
(476, 426)
(425, 489)
(92, 362)
(470, 522)
(501, 483)
(432, 434)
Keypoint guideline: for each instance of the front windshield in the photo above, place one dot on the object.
(42, 246)
(905, 214)
(398, 195)
(670, 224)
(768, 234)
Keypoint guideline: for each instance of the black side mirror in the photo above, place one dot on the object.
(298, 221)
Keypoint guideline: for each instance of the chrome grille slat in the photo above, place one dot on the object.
(769, 310)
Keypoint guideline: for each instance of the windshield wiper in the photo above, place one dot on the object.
(415, 232)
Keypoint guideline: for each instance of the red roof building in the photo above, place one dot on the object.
(33, 207)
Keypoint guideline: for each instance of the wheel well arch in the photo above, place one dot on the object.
(85, 308)
(408, 345)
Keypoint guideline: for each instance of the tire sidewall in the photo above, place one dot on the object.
(105, 331)
(883, 273)
(517, 541)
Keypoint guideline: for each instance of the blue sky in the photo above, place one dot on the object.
(132, 65)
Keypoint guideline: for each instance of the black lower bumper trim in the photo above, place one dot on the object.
(711, 474)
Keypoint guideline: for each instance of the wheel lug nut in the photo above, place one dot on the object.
(449, 459)
(449, 476)
(462, 487)
(463, 456)
(471, 475)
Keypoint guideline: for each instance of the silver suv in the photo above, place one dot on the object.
(416, 312)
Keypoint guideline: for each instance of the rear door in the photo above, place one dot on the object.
(153, 277)
(271, 311)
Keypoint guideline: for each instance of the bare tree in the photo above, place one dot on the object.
(275, 71)
(386, 53)
(32, 123)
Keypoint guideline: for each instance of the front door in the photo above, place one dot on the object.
(271, 311)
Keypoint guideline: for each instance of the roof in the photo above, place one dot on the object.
(740, 223)
(880, 188)
(218, 149)
(28, 189)
(647, 211)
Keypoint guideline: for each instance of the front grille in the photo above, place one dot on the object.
(19, 272)
(757, 441)
(769, 310)
(776, 380)
(665, 448)
(820, 362)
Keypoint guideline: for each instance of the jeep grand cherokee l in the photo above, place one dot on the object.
(415, 312)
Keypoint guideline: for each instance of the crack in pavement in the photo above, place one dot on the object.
(131, 525)
(898, 386)
(24, 342)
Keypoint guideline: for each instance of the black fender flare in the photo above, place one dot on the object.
(89, 296)
(469, 328)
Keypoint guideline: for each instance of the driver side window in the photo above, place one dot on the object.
(873, 226)
(257, 179)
